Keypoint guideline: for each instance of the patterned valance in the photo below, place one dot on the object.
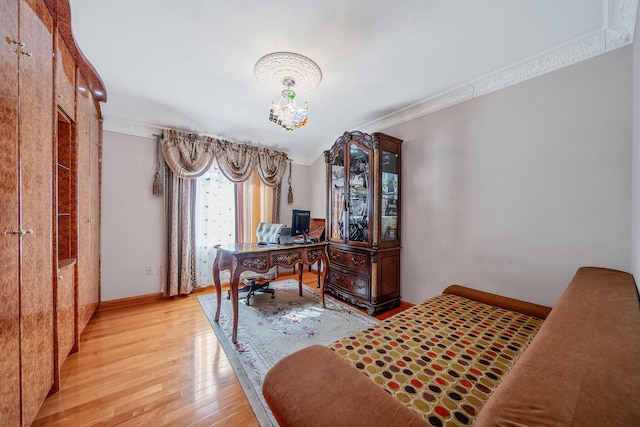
(190, 155)
(236, 161)
(271, 166)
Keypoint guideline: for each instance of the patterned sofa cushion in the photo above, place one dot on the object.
(442, 358)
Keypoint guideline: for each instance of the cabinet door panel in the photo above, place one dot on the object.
(9, 220)
(88, 133)
(389, 275)
(66, 311)
(36, 163)
(65, 78)
(359, 194)
(337, 202)
(84, 220)
(96, 164)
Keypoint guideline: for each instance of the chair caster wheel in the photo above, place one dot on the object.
(272, 296)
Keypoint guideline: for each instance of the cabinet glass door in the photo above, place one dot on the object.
(358, 194)
(337, 202)
(389, 196)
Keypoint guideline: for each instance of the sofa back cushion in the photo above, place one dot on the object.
(583, 366)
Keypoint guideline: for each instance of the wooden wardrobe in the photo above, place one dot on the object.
(50, 137)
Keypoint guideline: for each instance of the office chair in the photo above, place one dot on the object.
(255, 282)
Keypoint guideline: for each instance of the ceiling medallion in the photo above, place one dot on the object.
(286, 70)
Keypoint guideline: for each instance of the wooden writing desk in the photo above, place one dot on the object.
(259, 259)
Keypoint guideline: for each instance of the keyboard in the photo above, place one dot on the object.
(300, 241)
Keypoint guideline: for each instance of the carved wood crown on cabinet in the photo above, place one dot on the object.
(363, 220)
(38, 169)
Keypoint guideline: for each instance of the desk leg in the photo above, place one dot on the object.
(319, 267)
(324, 260)
(235, 278)
(301, 265)
(216, 281)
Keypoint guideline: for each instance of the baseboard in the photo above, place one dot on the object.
(129, 301)
(144, 299)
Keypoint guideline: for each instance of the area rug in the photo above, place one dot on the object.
(270, 329)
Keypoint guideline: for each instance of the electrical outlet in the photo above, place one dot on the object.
(149, 271)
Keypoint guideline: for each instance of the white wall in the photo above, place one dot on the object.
(131, 217)
(318, 182)
(513, 191)
(635, 232)
(302, 197)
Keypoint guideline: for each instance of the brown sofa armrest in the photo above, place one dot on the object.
(316, 387)
(528, 308)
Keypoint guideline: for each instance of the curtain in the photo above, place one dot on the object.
(271, 166)
(255, 204)
(215, 216)
(236, 161)
(179, 244)
(188, 156)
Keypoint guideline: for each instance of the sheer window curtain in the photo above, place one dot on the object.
(215, 221)
(227, 213)
(189, 156)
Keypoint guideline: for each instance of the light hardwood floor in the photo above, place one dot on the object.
(156, 364)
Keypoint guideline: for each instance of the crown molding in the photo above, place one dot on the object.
(113, 124)
(619, 19)
(618, 30)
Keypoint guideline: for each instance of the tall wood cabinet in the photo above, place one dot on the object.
(363, 220)
(36, 329)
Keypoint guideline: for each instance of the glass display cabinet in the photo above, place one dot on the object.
(363, 220)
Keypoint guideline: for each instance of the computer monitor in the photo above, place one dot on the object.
(300, 223)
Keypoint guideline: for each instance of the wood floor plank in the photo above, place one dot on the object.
(157, 363)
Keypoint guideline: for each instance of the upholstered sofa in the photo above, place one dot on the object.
(469, 357)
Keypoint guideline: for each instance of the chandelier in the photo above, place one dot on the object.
(286, 70)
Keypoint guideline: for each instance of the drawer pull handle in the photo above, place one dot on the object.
(356, 262)
(334, 257)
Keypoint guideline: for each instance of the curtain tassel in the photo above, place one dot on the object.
(157, 181)
(157, 187)
(290, 195)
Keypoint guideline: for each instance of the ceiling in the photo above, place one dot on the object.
(189, 64)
